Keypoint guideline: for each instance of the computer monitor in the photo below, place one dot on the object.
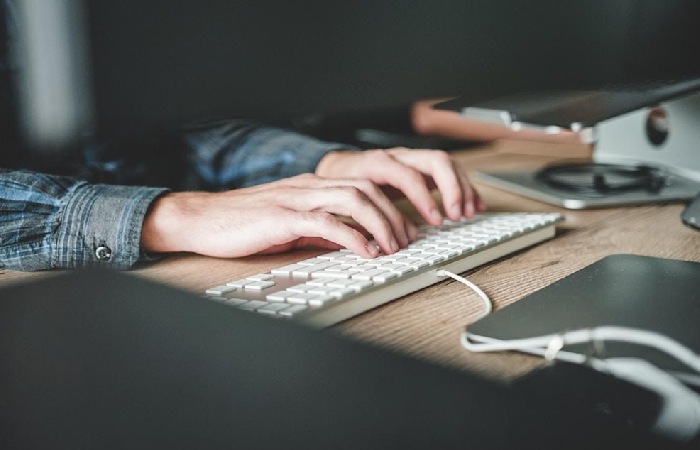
(107, 67)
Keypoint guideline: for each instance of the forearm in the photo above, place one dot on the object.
(236, 153)
(58, 222)
(171, 222)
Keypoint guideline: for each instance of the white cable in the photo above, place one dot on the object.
(486, 344)
(540, 344)
(488, 306)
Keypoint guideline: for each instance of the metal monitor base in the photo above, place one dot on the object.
(678, 189)
(664, 136)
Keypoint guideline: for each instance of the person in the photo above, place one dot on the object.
(267, 190)
(224, 189)
(229, 189)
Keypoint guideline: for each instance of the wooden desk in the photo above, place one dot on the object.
(428, 323)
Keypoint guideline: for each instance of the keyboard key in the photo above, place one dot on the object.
(287, 270)
(258, 285)
(273, 308)
(417, 263)
(384, 277)
(321, 300)
(311, 261)
(331, 274)
(434, 259)
(321, 290)
(346, 259)
(337, 254)
(300, 288)
(300, 298)
(235, 301)
(293, 310)
(261, 277)
(396, 268)
(306, 271)
(341, 283)
(374, 275)
(342, 292)
(220, 290)
(252, 305)
(280, 296)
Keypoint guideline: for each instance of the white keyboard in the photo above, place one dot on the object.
(335, 286)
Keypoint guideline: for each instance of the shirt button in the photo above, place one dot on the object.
(103, 253)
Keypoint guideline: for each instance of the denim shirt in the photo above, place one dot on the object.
(54, 221)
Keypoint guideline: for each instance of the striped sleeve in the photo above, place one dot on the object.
(49, 222)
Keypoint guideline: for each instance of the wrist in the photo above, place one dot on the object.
(327, 166)
(164, 224)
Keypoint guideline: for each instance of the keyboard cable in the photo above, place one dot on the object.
(488, 305)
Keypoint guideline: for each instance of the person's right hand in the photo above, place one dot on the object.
(302, 211)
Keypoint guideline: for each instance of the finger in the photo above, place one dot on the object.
(478, 201)
(469, 196)
(479, 205)
(392, 214)
(380, 167)
(347, 201)
(304, 242)
(410, 182)
(314, 242)
(323, 225)
(375, 195)
(446, 177)
(445, 174)
(472, 197)
(411, 231)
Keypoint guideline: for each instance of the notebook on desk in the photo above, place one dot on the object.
(653, 294)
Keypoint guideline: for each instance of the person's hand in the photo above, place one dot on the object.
(302, 211)
(414, 173)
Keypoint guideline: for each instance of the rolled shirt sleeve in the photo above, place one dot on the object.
(49, 222)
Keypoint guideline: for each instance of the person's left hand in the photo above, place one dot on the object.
(412, 172)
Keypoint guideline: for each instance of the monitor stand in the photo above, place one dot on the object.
(665, 137)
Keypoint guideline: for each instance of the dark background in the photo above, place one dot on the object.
(169, 61)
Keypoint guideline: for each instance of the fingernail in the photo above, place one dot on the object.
(469, 209)
(372, 249)
(411, 232)
(394, 245)
(435, 216)
(455, 211)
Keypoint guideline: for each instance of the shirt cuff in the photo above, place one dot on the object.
(100, 225)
